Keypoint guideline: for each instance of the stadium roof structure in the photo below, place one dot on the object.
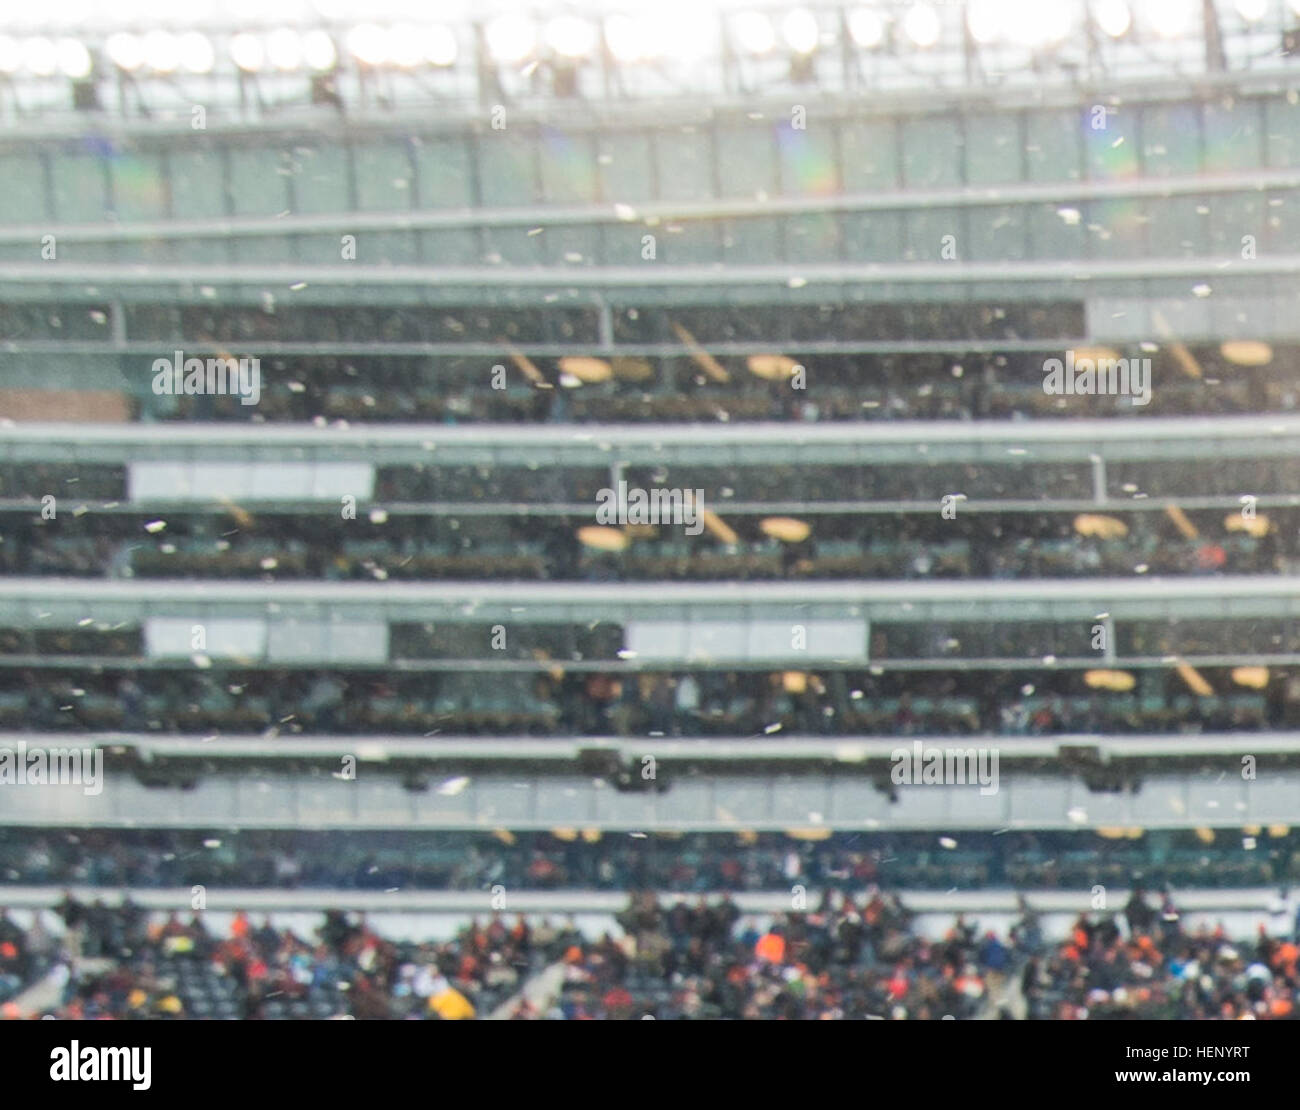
(741, 444)
(257, 61)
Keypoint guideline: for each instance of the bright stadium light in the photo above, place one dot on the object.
(405, 50)
(1037, 23)
(623, 37)
(1252, 11)
(440, 47)
(318, 51)
(284, 50)
(754, 33)
(922, 25)
(682, 31)
(1172, 18)
(1294, 5)
(68, 13)
(984, 20)
(368, 43)
(247, 52)
(571, 37)
(195, 52)
(866, 28)
(40, 57)
(162, 51)
(799, 29)
(11, 55)
(125, 51)
(74, 59)
(510, 38)
(1113, 17)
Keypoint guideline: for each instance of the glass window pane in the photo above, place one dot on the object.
(873, 237)
(1117, 229)
(444, 172)
(1282, 132)
(685, 165)
(1233, 136)
(1052, 145)
(139, 187)
(385, 181)
(932, 153)
(869, 151)
(22, 183)
(1112, 150)
(198, 180)
(258, 182)
(1171, 139)
(746, 161)
(626, 169)
(1176, 227)
(568, 167)
(993, 149)
(808, 166)
(80, 188)
(996, 234)
(321, 178)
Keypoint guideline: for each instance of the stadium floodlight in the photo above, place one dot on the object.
(68, 13)
(11, 55)
(800, 31)
(1113, 17)
(40, 57)
(510, 38)
(290, 12)
(74, 59)
(571, 37)
(683, 31)
(922, 25)
(624, 40)
(368, 43)
(1038, 23)
(405, 48)
(754, 33)
(195, 52)
(866, 28)
(1172, 18)
(984, 20)
(284, 50)
(126, 51)
(162, 51)
(1252, 11)
(318, 51)
(440, 47)
(247, 52)
(1029, 23)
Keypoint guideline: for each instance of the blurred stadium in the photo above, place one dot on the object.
(393, 723)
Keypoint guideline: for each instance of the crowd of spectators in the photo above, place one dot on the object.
(120, 962)
(843, 957)
(320, 547)
(855, 959)
(685, 704)
(689, 862)
(219, 700)
(573, 490)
